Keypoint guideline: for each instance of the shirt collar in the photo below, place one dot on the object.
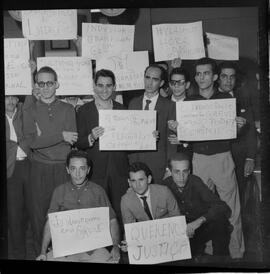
(174, 100)
(146, 194)
(73, 187)
(153, 99)
(41, 103)
(13, 115)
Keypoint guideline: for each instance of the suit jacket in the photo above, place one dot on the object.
(11, 146)
(115, 162)
(163, 205)
(246, 141)
(156, 160)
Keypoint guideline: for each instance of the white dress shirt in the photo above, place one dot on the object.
(153, 100)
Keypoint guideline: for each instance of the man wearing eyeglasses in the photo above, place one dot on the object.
(50, 130)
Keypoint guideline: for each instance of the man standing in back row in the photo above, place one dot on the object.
(151, 100)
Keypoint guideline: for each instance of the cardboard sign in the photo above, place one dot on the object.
(128, 68)
(157, 241)
(100, 39)
(127, 129)
(206, 119)
(74, 74)
(49, 24)
(17, 70)
(80, 230)
(222, 47)
(178, 40)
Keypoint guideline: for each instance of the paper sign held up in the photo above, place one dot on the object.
(49, 24)
(80, 230)
(100, 39)
(74, 74)
(157, 241)
(128, 68)
(222, 47)
(127, 129)
(17, 70)
(178, 40)
(206, 120)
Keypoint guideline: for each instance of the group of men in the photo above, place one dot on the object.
(47, 173)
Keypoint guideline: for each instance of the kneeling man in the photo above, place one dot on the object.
(206, 215)
(80, 193)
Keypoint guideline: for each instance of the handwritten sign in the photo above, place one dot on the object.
(178, 40)
(49, 24)
(17, 70)
(79, 230)
(128, 68)
(222, 47)
(74, 74)
(157, 241)
(127, 129)
(206, 120)
(100, 39)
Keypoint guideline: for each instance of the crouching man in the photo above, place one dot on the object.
(206, 215)
(80, 193)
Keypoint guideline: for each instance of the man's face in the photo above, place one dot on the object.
(227, 79)
(47, 90)
(78, 170)
(11, 103)
(180, 172)
(152, 80)
(139, 182)
(205, 77)
(104, 88)
(178, 85)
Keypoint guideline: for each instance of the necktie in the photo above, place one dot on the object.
(147, 104)
(146, 207)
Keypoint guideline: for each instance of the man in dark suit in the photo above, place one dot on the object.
(244, 147)
(151, 100)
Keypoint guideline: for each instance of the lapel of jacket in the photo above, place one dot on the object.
(154, 200)
(7, 129)
(137, 206)
(159, 104)
(140, 102)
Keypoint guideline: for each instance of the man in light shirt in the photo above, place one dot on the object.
(17, 177)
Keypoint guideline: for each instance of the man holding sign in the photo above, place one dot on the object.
(212, 160)
(80, 193)
(151, 100)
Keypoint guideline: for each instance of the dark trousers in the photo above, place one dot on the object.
(18, 207)
(218, 231)
(44, 178)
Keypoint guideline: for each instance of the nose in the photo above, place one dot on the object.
(77, 173)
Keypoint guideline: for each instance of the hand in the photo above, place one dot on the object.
(32, 65)
(191, 227)
(78, 44)
(249, 167)
(31, 46)
(240, 122)
(167, 173)
(173, 139)
(176, 62)
(115, 253)
(173, 125)
(124, 246)
(36, 93)
(70, 136)
(38, 129)
(155, 134)
(97, 132)
(41, 257)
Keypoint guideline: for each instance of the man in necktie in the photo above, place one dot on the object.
(151, 100)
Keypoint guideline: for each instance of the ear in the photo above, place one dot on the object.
(161, 83)
(88, 170)
(129, 183)
(149, 179)
(57, 85)
(187, 85)
(215, 77)
(67, 170)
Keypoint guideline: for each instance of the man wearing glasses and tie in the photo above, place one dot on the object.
(151, 100)
(50, 130)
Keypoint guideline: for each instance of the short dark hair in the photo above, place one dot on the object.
(46, 70)
(78, 154)
(207, 61)
(163, 72)
(228, 65)
(139, 166)
(178, 156)
(104, 73)
(180, 71)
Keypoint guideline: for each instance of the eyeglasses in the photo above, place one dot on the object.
(179, 82)
(49, 84)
